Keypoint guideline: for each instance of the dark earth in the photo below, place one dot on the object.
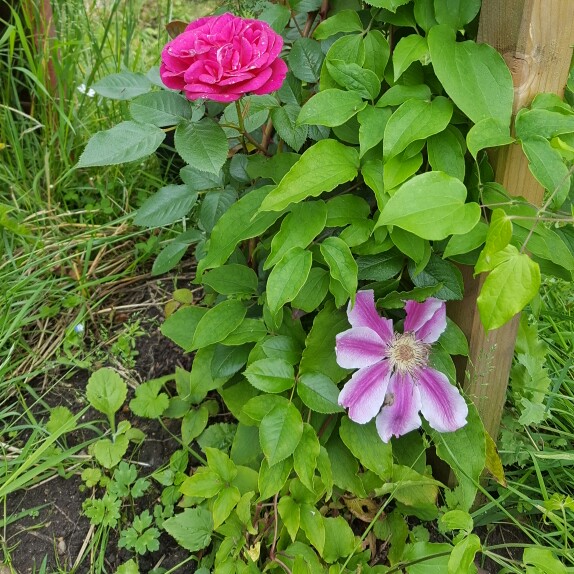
(54, 529)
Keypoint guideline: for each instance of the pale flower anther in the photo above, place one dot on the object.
(394, 381)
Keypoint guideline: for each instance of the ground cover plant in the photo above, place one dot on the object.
(335, 175)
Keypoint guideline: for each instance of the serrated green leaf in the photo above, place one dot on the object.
(366, 444)
(214, 205)
(126, 142)
(166, 206)
(271, 375)
(341, 263)
(192, 528)
(319, 353)
(277, 16)
(288, 277)
(285, 123)
(280, 432)
(202, 144)
(255, 112)
(272, 479)
(305, 456)
(148, 402)
(161, 109)
(319, 393)
(390, 5)
(122, 86)
(305, 59)
(106, 391)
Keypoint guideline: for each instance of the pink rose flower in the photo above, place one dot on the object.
(223, 57)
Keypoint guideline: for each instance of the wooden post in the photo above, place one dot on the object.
(41, 18)
(535, 37)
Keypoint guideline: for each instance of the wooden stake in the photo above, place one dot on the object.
(535, 37)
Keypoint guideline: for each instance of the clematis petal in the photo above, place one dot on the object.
(442, 404)
(359, 347)
(402, 415)
(364, 394)
(364, 314)
(427, 320)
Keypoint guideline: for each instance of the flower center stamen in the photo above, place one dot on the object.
(407, 354)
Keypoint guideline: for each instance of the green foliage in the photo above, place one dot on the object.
(366, 170)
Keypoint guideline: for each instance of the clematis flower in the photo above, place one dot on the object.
(394, 381)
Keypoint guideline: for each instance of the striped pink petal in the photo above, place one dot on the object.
(427, 320)
(364, 314)
(359, 347)
(364, 394)
(402, 415)
(442, 404)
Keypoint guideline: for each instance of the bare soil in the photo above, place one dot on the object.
(54, 531)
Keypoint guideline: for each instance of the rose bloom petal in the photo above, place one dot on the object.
(278, 73)
(359, 347)
(364, 314)
(442, 404)
(427, 320)
(234, 55)
(364, 394)
(258, 80)
(402, 415)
